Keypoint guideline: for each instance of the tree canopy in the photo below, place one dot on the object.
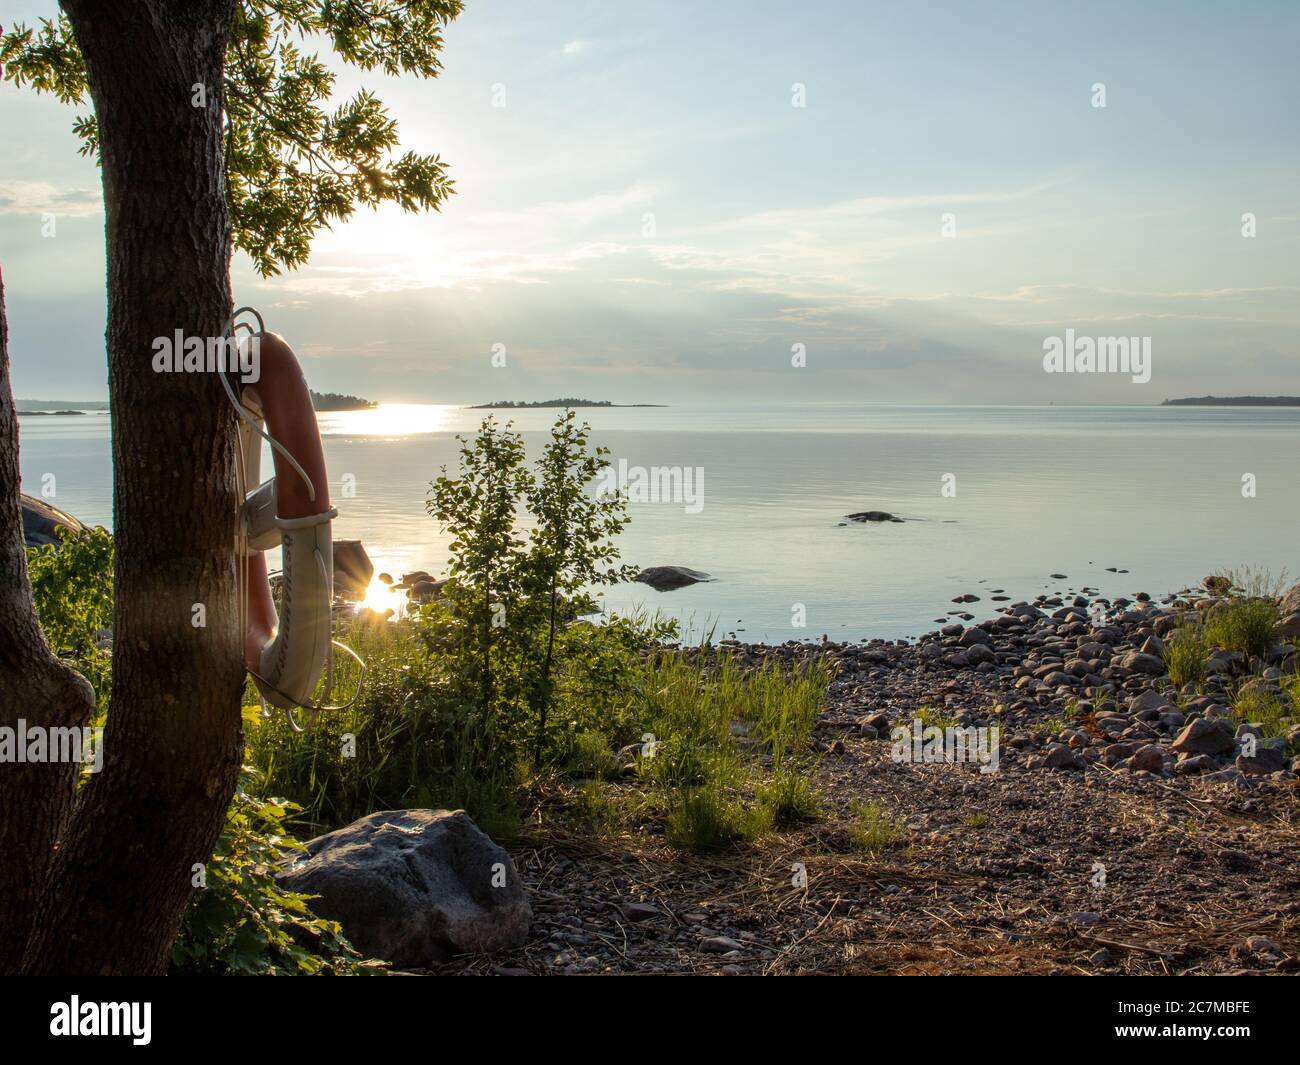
(294, 164)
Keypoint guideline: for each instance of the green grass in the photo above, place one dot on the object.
(1186, 654)
(405, 743)
(1255, 703)
(978, 819)
(1051, 726)
(929, 716)
(790, 795)
(873, 830)
(1244, 625)
(717, 786)
(707, 818)
(590, 755)
(732, 752)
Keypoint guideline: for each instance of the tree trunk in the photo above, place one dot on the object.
(35, 687)
(122, 874)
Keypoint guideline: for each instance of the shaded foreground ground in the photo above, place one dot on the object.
(991, 874)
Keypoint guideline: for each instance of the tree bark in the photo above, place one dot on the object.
(122, 874)
(37, 688)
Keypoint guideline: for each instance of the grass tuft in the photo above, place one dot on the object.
(873, 829)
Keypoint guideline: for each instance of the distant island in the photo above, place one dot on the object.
(510, 404)
(48, 413)
(58, 406)
(340, 401)
(1234, 401)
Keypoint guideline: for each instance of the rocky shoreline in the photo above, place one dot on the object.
(1092, 662)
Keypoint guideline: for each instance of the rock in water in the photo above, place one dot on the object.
(666, 578)
(415, 887)
(41, 522)
(873, 515)
(424, 591)
(352, 569)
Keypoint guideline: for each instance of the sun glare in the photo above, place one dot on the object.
(380, 598)
(388, 419)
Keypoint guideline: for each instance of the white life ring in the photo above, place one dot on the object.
(285, 654)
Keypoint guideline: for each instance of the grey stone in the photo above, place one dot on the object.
(1268, 758)
(1137, 662)
(1148, 700)
(873, 515)
(415, 887)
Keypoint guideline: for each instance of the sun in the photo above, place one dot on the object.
(381, 598)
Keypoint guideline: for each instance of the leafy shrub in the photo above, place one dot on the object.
(72, 589)
(240, 923)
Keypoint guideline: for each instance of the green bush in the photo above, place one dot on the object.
(1257, 703)
(240, 923)
(72, 589)
(507, 611)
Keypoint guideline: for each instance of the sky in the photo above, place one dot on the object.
(650, 218)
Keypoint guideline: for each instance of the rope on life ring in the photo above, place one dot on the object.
(266, 685)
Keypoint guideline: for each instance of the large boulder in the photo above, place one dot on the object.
(666, 578)
(353, 569)
(41, 522)
(415, 887)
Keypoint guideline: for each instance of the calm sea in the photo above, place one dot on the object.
(993, 497)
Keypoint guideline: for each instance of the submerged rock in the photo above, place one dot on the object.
(873, 515)
(415, 887)
(666, 578)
